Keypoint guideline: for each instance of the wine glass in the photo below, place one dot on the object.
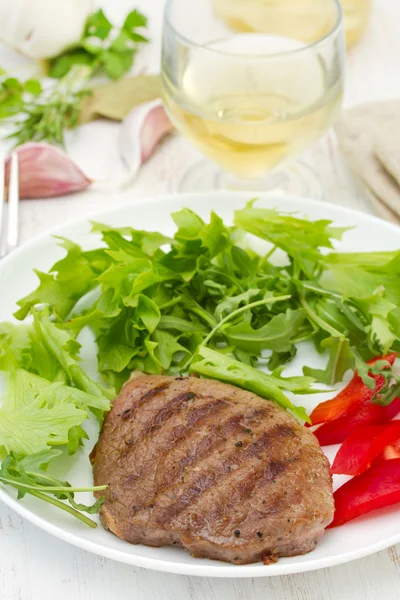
(250, 101)
(356, 14)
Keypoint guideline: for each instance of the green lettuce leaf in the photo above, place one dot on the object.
(36, 414)
(64, 348)
(67, 281)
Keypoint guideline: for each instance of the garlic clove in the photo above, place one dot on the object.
(141, 132)
(46, 171)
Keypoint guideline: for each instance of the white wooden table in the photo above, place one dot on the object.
(36, 566)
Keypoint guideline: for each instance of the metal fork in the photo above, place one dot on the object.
(9, 231)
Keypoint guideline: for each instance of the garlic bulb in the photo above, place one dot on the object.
(42, 28)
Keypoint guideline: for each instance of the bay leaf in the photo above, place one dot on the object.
(116, 99)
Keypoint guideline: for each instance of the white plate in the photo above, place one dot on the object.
(354, 540)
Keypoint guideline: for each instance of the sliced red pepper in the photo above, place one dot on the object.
(368, 413)
(348, 400)
(359, 450)
(377, 487)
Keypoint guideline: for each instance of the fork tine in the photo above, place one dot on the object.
(13, 204)
(2, 194)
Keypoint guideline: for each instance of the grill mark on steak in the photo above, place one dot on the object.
(174, 406)
(212, 440)
(284, 500)
(229, 428)
(159, 446)
(241, 463)
(154, 392)
(285, 430)
(168, 435)
(187, 447)
(274, 469)
(127, 413)
(242, 485)
(145, 407)
(191, 490)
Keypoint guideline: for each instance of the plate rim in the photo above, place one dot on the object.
(196, 569)
(52, 231)
(225, 571)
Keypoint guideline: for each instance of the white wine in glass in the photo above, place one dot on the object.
(248, 101)
(307, 20)
(356, 13)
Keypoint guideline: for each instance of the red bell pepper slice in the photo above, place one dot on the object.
(368, 413)
(390, 452)
(356, 393)
(366, 443)
(377, 487)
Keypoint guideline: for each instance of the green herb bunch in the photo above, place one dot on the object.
(34, 111)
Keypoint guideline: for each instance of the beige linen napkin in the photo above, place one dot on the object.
(369, 138)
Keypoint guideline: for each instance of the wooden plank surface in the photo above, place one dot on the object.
(36, 566)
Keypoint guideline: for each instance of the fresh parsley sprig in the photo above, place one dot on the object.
(103, 47)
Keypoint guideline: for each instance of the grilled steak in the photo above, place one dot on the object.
(212, 468)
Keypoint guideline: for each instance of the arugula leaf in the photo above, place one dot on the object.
(359, 274)
(194, 234)
(167, 348)
(170, 322)
(279, 359)
(378, 309)
(364, 370)
(147, 314)
(147, 241)
(231, 303)
(244, 261)
(220, 366)
(299, 238)
(189, 224)
(28, 476)
(76, 435)
(214, 236)
(341, 359)
(277, 334)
